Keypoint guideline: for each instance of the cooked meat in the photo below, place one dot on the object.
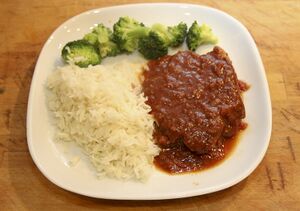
(195, 99)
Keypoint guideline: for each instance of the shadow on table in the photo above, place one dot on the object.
(32, 191)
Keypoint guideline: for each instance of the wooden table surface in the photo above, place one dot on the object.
(25, 25)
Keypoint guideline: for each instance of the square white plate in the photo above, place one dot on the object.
(234, 38)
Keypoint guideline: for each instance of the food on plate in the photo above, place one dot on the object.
(81, 53)
(103, 110)
(102, 38)
(199, 35)
(156, 43)
(130, 35)
(127, 32)
(197, 105)
(181, 111)
(172, 35)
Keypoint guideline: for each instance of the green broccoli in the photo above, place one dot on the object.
(152, 46)
(198, 35)
(156, 43)
(127, 32)
(101, 37)
(173, 35)
(81, 53)
(91, 38)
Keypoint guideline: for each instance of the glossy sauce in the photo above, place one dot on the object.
(180, 159)
(197, 105)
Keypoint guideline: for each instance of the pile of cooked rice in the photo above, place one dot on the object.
(102, 109)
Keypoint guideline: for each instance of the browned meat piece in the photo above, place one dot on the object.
(195, 99)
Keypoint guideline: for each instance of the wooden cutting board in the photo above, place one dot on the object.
(274, 185)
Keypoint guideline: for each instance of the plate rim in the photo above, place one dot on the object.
(174, 195)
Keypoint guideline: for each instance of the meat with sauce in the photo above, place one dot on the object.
(196, 102)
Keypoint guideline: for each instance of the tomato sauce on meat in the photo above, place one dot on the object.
(197, 105)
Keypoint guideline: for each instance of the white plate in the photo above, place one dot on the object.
(234, 38)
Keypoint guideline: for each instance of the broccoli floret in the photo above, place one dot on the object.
(198, 35)
(91, 38)
(179, 33)
(127, 32)
(153, 46)
(156, 43)
(102, 37)
(81, 53)
(173, 35)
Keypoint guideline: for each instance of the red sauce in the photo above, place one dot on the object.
(243, 86)
(196, 102)
(179, 159)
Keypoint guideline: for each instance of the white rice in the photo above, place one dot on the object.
(103, 110)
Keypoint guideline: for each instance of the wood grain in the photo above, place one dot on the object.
(274, 185)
